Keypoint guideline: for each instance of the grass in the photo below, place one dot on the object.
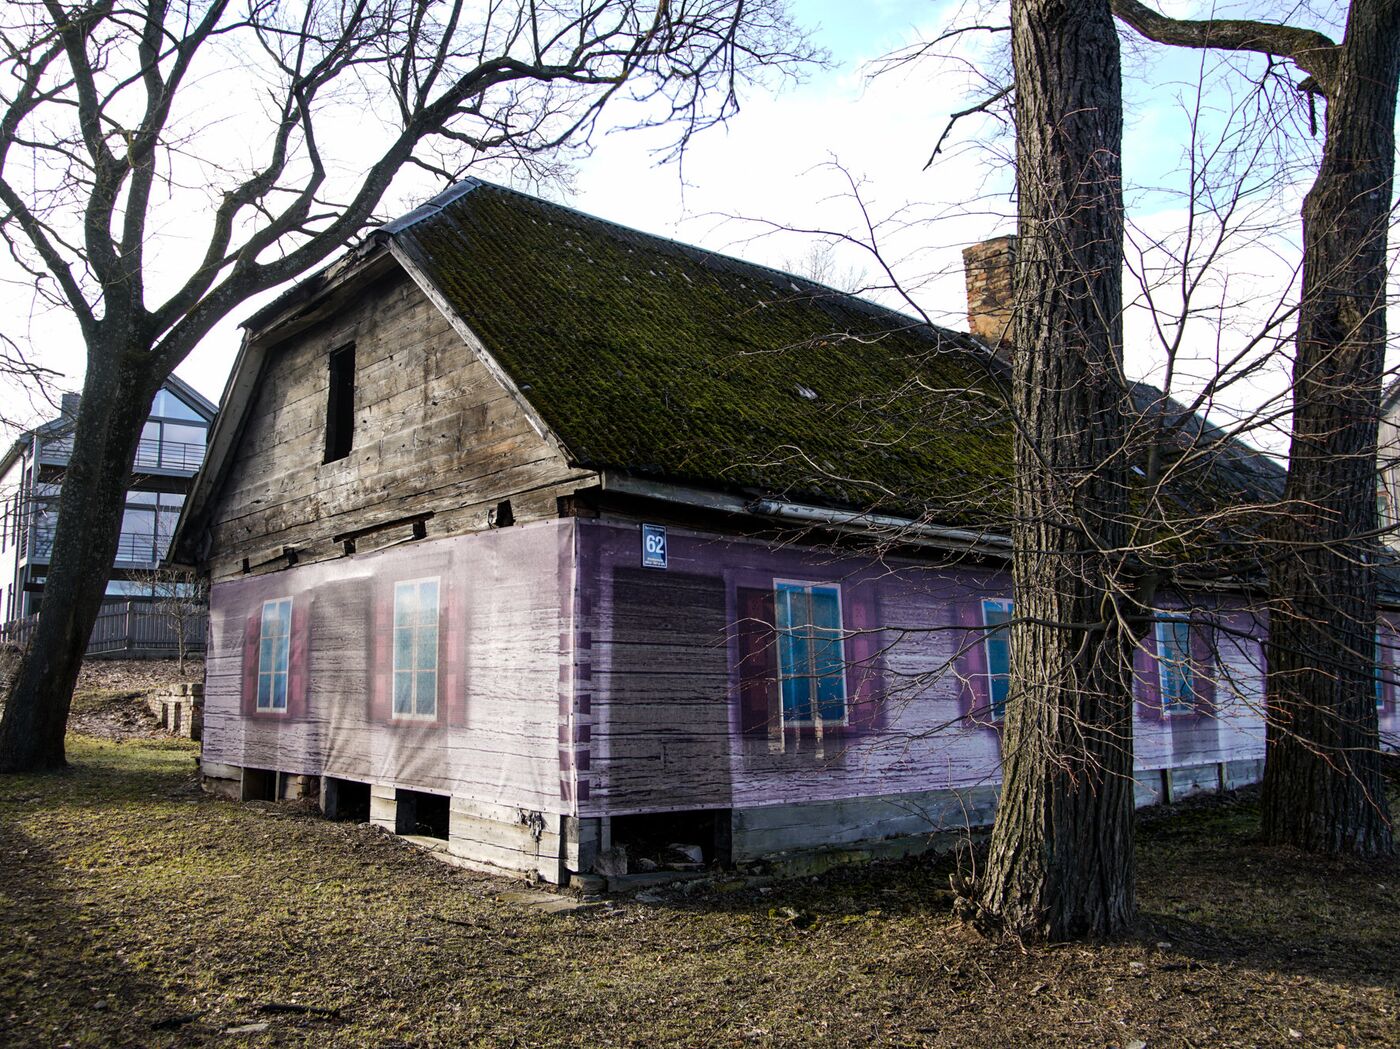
(136, 912)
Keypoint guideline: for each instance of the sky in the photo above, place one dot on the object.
(791, 160)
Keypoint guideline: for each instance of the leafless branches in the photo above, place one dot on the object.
(265, 135)
(101, 129)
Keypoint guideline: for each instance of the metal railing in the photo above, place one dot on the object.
(133, 626)
(150, 455)
(169, 455)
(141, 548)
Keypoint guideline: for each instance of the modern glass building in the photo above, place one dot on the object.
(31, 473)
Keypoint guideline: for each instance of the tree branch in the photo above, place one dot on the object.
(1313, 52)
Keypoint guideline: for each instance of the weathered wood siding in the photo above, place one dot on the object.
(433, 431)
(503, 670)
(573, 682)
(661, 687)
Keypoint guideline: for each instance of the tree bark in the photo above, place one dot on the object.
(1323, 789)
(1061, 862)
(117, 394)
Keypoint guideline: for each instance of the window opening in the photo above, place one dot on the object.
(669, 840)
(259, 785)
(996, 641)
(416, 648)
(1174, 671)
(420, 813)
(340, 405)
(811, 653)
(346, 799)
(274, 654)
(1380, 672)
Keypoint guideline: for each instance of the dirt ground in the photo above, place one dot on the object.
(136, 912)
(107, 699)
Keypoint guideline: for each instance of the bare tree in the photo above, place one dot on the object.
(183, 598)
(97, 145)
(1061, 861)
(821, 265)
(1322, 786)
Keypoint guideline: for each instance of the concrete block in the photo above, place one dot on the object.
(1242, 773)
(1149, 787)
(383, 807)
(1192, 779)
(858, 822)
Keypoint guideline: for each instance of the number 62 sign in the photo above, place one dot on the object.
(653, 546)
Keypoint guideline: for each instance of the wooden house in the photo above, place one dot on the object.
(551, 539)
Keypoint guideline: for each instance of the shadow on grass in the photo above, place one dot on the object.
(65, 981)
(1210, 894)
(234, 906)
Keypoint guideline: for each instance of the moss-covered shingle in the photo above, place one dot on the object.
(667, 361)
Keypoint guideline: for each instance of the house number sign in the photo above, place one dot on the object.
(653, 546)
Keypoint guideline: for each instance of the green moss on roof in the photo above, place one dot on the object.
(653, 357)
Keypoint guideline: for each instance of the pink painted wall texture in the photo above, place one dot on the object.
(362, 703)
(542, 666)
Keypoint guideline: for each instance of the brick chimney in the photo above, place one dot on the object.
(68, 407)
(989, 268)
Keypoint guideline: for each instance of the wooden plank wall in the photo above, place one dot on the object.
(510, 594)
(661, 660)
(433, 431)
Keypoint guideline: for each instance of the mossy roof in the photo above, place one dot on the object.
(654, 357)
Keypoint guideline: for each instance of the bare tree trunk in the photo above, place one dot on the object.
(1061, 862)
(1322, 782)
(116, 398)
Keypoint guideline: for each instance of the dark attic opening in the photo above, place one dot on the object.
(345, 799)
(340, 404)
(687, 840)
(420, 813)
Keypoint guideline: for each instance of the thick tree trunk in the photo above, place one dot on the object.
(1061, 862)
(116, 400)
(1322, 782)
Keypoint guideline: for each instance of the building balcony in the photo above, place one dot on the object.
(176, 456)
(134, 549)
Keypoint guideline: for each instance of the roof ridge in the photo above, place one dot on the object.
(705, 256)
(433, 205)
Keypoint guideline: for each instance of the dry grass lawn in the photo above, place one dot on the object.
(136, 912)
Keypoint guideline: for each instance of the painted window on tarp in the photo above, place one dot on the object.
(416, 648)
(274, 653)
(811, 653)
(996, 617)
(1174, 672)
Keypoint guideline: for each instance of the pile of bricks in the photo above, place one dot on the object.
(180, 709)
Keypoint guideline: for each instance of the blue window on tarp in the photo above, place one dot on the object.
(416, 648)
(274, 653)
(1380, 672)
(811, 653)
(996, 617)
(1174, 665)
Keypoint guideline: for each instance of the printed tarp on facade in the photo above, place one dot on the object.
(451, 602)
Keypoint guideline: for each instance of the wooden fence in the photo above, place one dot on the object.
(133, 628)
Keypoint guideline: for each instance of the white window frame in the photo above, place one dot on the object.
(1007, 605)
(412, 713)
(809, 722)
(272, 673)
(1174, 710)
(1381, 669)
